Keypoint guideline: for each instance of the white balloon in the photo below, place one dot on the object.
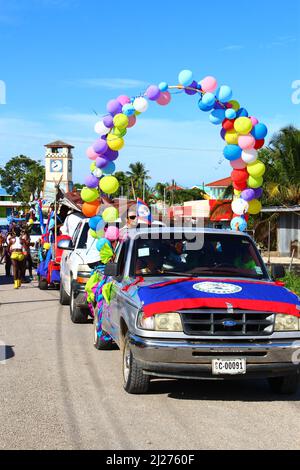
(97, 172)
(239, 206)
(140, 104)
(100, 128)
(249, 156)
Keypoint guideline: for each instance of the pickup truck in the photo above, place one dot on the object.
(200, 309)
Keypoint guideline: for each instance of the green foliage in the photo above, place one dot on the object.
(292, 282)
(22, 176)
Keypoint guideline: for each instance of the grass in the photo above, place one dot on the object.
(292, 282)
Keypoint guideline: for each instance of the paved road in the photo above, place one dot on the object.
(58, 392)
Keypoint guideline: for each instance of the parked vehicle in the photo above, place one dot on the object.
(35, 237)
(197, 342)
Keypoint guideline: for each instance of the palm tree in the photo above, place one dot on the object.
(138, 176)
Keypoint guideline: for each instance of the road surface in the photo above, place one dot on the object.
(58, 392)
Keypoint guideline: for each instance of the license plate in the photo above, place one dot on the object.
(230, 366)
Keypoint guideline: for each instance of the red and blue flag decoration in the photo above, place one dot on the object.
(143, 212)
(181, 294)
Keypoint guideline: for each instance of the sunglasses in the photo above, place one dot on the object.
(132, 217)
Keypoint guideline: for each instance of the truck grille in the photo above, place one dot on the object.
(223, 323)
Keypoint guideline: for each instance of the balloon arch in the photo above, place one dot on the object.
(244, 136)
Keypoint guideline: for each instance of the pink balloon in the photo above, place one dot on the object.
(123, 99)
(164, 98)
(131, 121)
(92, 155)
(246, 142)
(254, 120)
(209, 84)
(112, 233)
(238, 164)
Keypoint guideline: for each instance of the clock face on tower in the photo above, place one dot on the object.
(56, 166)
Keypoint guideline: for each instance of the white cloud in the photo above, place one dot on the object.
(110, 83)
(233, 47)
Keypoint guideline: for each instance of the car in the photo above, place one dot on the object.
(165, 331)
(35, 237)
(78, 259)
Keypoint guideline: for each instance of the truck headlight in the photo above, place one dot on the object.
(161, 322)
(287, 323)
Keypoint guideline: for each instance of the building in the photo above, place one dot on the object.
(217, 188)
(58, 168)
(7, 206)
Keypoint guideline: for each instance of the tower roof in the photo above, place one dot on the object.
(59, 144)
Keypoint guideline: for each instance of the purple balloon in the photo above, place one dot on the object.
(194, 84)
(223, 133)
(108, 121)
(247, 194)
(100, 146)
(111, 155)
(218, 106)
(101, 162)
(153, 92)
(258, 193)
(92, 181)
(114, 107)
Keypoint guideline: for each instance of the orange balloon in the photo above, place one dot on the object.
(89, 209)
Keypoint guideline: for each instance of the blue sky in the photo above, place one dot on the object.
(63, 59)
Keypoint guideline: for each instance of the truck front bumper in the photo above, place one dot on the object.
(190, 359)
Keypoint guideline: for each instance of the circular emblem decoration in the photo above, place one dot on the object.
(144, 211)
(220, 288)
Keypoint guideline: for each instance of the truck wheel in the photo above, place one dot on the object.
(64, 298)
(43, 284)
(100, 343)
(287, 385)
(78, 314)
(135, 381)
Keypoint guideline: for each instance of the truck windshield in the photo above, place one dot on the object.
(217, 255)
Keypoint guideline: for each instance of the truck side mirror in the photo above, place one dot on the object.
(277, 271)
(65, 245)
(111, 269)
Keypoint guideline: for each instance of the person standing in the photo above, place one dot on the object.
(16, 247)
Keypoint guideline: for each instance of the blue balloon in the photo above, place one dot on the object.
(230, 113)
(208, 99)
(217, 116)
(101, 242)
(224, 94)
(128, 109)
(185, 77)
(93, 222)
(163, 86)
(203, 107)
(239, 224)
(259, 131)
(100, 225)
(232, 152)
(242, 112)
(109, 169)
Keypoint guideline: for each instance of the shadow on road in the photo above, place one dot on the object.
(4, 280)
(6, 352)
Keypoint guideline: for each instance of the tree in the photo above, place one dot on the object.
(22, 176)
(138, 175)
(124, 184)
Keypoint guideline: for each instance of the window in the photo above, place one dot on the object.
(82, 244)
(76, 233)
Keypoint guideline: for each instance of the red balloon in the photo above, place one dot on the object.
(228, 124)
(240, 186)
(259, 144)
(239, 176)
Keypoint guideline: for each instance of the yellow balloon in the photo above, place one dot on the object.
(255, 182)
(111, 214)
(254, 207)
(121, 121)
(243, 125)
(235, 105)
(232, 137)
(30, 221)
(114, 142)
(109, 184)
(47, 246)
(237, 192)
(256, 169)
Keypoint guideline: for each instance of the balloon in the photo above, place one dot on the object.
(108, 121)
(119, 132)
(231, 137)
(224, 93)
(243, 125)
(109, 184)
(100, 225)
(256, 169)
(228, 124)
(237, 192)
(153, 92)
(185, 77)
(255, 182)
(246, 142)
(238, 164)
(92, 155)
(93, 233)
(235, 105)
(258, 193)
(253, 120)
(232, 152)
(112, 233)
(89, 209)
(89, 194)
(111, 214)
(259, 144)
(230, 114)
(101, 242)
(140, 104)
(209, 84)
(254, 207)
(238, 224)
(208, 99)
(114, 107)
(100, 128)
(101, 162)
(98, 173)
(217, 116)
(123, 99)
(93, 222)
(259, 131)
(239, 176)
(110, 154)
(223, 133)
(242, 112)
(100, 146)
(239, 206)
(163, 86)
(131, 121)
(193, 85)
(93, 165)
(114, 142)
(248, 195)
(121, 121)
(47, 246)
(128, 109)
(91, 181)
(109, 168)
(249, 156)
(203, 107)
(164, 99)
(239, 185)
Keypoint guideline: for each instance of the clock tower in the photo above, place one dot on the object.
(58, 166)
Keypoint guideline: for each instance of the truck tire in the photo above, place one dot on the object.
(77, 314)
(287, 385)
(135, 381)
(99, 343)
(43, 284)
(64, 298)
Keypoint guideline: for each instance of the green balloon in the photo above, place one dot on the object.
(111, 214)
(89, 194)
